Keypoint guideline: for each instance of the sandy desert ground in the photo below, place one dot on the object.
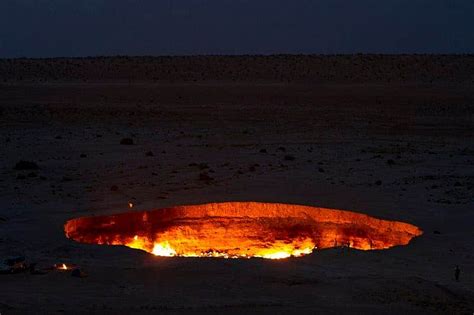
(397, 146)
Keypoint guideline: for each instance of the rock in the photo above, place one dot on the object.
(321, 170)
(13, 260)
(436, 232)
(205, 177)
(26, 165)
(203, 166)
(5, 269)
(66, 179)
(149, 153)
(83, 155)
(32, 174)
(21, 176)
(263, 150)
(78, 273)
(126, 141)
(378, 183)
(390, 162)
(114, 188)
(282, 149)
(289, 158)
(35, 271)
(14, 265)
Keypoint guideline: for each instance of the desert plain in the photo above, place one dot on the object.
(388, 136)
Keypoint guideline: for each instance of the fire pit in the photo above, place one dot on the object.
(241, 230)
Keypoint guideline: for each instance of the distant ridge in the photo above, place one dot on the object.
(356, 68)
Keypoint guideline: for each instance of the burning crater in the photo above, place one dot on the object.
(240, 230)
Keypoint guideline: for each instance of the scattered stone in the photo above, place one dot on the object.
(21, 176)
(32, 174)
(83, 155)
(35, 271)
(203, 166)
(252, 168)
(114, 188)
(436, 232)
(321, 170)
(205, 177)
(26, 165)
(378, 183)
(263, 150)
(14, 260)
(282, 149)
(126, 141)
(66, 179)
(14, 265)
(457, 184)
(289, 157)
(390, 162)
(78, 273)
(149, 153)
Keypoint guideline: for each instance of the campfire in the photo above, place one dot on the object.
(241, 230)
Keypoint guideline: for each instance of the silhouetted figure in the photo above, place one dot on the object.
(457, 271)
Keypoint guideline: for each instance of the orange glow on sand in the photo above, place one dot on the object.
(241, 230)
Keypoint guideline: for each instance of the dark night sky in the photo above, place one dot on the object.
(48, 28)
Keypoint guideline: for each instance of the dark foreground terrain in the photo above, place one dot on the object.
(346, 132)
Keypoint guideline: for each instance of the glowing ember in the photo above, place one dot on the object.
(241, 229)
(64, 266)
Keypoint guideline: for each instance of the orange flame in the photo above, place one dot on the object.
(241, 230)
(63, 266)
